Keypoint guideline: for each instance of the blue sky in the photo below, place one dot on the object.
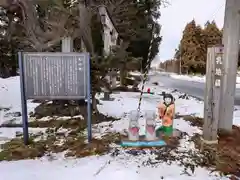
(176, 15)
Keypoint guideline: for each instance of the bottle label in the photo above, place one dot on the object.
(134, 131)
(150, 129)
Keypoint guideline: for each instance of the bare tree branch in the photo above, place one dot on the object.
(56, 23)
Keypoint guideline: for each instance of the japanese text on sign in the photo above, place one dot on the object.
(55, 75)
(218, 69)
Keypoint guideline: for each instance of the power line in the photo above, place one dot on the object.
(215, 12)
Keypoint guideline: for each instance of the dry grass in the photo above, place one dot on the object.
(54, 140)
(194, 121)
(74, 144)
(225, 156)
(57, 110)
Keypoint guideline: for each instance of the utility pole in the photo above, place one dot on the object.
(231, 36)
(180, 65)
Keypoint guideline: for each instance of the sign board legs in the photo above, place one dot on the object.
(23, 99)
(40, 74)
(89, 120)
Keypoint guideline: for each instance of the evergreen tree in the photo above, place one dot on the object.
(213, 35)
(177, 54)
(148, 11)
(9, 44)
(133, 19)
(193, 48)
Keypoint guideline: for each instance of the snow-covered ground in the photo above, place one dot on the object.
(189, 77)
(124, 166)
(198, 78)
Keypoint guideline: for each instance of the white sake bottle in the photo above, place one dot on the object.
(133, 128)
(150, 134)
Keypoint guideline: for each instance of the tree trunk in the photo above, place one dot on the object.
(122, 77)
(13, 71)
(94, 102)
(5, 3)
(114, 81)
(4, 71)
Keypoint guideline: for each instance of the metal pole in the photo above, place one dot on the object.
(89, 120)
(180, 67)
(23, 99)
(231, 36)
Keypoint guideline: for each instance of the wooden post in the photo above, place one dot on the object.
(67, 44)
(212, 94)
(114, 78)
(106, 92)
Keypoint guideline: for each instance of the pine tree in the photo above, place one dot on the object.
(192, 48)
(9, 45)
(132, 19)
(148, 12)
(213, 35)
(194, 43)
(177, 54)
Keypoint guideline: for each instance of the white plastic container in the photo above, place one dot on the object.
(133, 129)
(150, 134)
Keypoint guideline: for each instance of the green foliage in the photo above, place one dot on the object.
(97, 31)
(131, 18)
(148, 11)
(192, 49)
(213, 35)
(43, 29)
(9, 46)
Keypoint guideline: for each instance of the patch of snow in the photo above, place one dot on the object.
(124, 166)
(189, 77)
(237, 85)
(49, 102)
(185, 126)
(18, 120)
(10, 99)
(198, 78)
(7, 134)
(238, 79)
(189, 107)
(135, 73)
(236, 116)
(131, 78)
(124, 103)
(98, 168)
(47, 118)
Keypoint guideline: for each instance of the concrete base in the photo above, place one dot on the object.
(160, 141)
(142, 142)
